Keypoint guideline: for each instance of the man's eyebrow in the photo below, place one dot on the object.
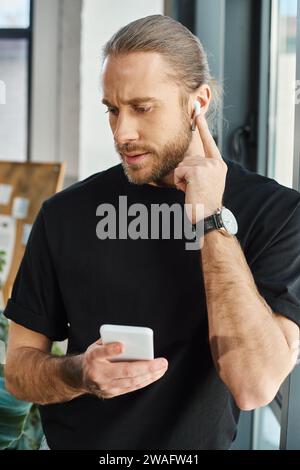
(137, 100)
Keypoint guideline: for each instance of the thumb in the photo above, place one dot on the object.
(107, 349)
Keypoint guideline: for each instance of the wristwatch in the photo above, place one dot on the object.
(222, 220)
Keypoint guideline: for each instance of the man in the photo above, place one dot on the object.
(225, 317)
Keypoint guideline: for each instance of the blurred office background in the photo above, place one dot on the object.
(51, 111)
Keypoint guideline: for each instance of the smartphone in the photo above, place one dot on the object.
(137, 341)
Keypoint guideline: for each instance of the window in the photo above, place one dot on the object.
(277, 425)
(15, 52)
(14, 14)
(282, 93)
(266, 429)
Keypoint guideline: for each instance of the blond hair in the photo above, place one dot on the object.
(181, 49)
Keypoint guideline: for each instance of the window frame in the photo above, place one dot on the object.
(24, 33)
(290, 411)
(285, 406)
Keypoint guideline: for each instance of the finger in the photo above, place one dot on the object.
(181, 176)
(133, 381)
(121, 370)
(101, 352)
(196, 145)
(210, 148)
(121, 391)
(190, 161)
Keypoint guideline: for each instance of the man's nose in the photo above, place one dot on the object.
(126, 130)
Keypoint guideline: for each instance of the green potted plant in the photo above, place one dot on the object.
(20, 425)
(2, 261)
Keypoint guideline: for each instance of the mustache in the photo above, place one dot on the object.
(131, 148)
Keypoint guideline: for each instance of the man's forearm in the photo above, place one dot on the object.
(37, 377)
(248, 347)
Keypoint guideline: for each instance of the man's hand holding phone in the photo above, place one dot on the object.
(107, 379)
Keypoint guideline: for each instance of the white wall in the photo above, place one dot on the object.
(100, 20)
(56, 87)
(44, 142)
(68, 122)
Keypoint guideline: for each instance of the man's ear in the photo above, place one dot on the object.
(194, 99)
(203, 95)
(191, 108)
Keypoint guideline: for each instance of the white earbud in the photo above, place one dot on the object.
(197, 108)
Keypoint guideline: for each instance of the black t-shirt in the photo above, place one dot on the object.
(70, 283)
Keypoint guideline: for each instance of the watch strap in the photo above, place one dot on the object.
(212, 222)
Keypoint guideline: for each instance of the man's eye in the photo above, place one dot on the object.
(111, 111)
(142, 110)
(139, 110)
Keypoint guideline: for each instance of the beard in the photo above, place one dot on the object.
(158, 165)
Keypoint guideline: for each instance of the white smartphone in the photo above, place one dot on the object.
(137, 340)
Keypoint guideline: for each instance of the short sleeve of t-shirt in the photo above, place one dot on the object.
(277, 268)
(36, 301)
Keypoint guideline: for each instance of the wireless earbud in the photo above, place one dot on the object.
(197, 110)
(197, 107)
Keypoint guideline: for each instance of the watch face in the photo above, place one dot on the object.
(229, 221)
